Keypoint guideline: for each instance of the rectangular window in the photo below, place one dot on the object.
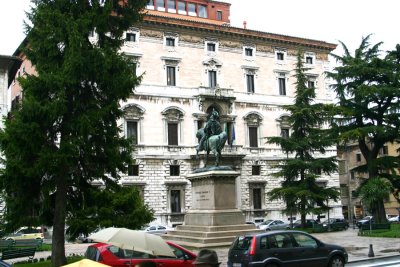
(174, 170)
(202, 11)
(182, 7)
(280, 56)
(282, 86)
(160, 5)
(130, 37)
(171, 79)
(309, 60)
(131, 131)
(255, 170)
(257, 198)
(385, 150)
(212, 78)
(310, 84)
(192, 9)
(250, 83)
(253, 136)
(285, 133)
(172, 134)
(133, 170)
(352, 175)
(219, 15)
(171, 6)
(211, 47)
(248, 52)
(169, 41)
(175, 200)
(358, 157)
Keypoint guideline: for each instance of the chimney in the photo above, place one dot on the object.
(244, 24)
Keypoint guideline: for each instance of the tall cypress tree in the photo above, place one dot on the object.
(305, 148)
(368, 89)
(65, 134)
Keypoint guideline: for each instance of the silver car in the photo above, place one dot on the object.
(273, 225)
(156, 229)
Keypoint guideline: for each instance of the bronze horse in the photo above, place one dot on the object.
(214, 143)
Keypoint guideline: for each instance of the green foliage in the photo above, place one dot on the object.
(66, 134)
(373, 190)
(115, 206)
(393, 232)
(300, 170)
(367, 87)
(47, 263)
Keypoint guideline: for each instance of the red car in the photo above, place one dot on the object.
(116, 257)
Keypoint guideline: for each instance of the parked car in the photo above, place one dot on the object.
(117, 257)
(85, 238)
(273, 225)
(26, 233)
(365, 221)
(156, 229)
(309, 223)
(394, 219)
(284, 248)
(336, 224)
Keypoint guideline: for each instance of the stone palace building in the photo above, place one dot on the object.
(192, 61)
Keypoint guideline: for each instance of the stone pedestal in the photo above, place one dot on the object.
(214, 199)
(213, 219)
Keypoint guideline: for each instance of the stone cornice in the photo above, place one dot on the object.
(239, 32)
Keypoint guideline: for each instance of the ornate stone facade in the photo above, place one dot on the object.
(179, 110)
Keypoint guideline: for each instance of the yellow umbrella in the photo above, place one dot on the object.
(86, 263)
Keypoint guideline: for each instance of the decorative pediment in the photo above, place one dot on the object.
(173, 114)
(133, 111)
(212, 63)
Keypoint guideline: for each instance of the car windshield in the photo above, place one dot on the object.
(366, 218)
(242, 242)
(329, 221)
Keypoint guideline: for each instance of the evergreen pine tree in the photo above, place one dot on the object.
(305, 147)
(65, 134)
(368, 89)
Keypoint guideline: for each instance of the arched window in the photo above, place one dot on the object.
(133, 123)
(253, 122)
(172, 124)
(284, 126)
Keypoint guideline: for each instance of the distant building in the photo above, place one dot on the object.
(192, 62)
(350, 157)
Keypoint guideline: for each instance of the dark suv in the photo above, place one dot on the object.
(284, 248)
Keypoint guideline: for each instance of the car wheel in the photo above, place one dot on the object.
(336, 261)
(287, 228)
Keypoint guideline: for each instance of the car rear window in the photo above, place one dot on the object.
(242, 242)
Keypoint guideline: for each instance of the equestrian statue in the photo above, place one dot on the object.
(211, 138)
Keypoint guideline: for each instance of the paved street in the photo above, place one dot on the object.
(357, 247)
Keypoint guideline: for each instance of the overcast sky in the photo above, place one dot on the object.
(330, 21)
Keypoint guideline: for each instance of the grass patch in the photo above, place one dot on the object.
(394, 232)
(46, 263)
